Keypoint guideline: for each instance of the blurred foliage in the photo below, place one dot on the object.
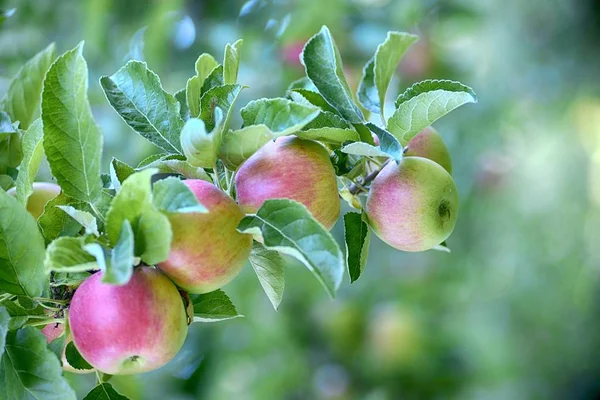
(511, 313)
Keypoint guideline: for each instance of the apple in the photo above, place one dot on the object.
(412, 206)
(52, 332)
(43, 192)
(429, 144)
(128, 329)
(207, 251)
(290, 168)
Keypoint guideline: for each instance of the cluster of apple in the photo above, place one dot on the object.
(120, 264)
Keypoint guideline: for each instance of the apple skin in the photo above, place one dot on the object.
(128, 329)
(52, 332)
(412, 206)
(207, 251)
(429, 144)
(43, 192)
(290, 168)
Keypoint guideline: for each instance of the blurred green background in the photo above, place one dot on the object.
(512, 313)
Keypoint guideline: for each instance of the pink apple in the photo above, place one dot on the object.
(412, 206)
(128, 329)
(207, 251)
(52, 332)
(429, 144)
(43, 192)
(290, 168)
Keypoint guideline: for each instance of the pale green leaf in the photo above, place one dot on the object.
(174, 164)
(33, 152)
(268, 266)
(171, 195)
(379, 70)
(424, 103)
(205, 64)
(87, 220)
(152, 230)
(135, 92)
(282, 116)
(335, 136)
(231, 62)
(324, 68)
(72, 141)
(67, 254)
(288, 227)
(54, 222)
(239, 145)
(306, 96)
(364, 149)
(21, 250)
(199, 146)
(222, 97)
(214, 79)
(23, 98)
(184, 110)
(116, 265)
(119, 171)
(30, 370)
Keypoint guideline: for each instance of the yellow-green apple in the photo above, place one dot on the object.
(128, 329)
(412, 206)
(54, 331)
(207, 251)
(43, 192)
(290, 168)
(429, 144)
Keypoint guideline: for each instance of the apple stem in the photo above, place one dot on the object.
(45, 321)
(47, 300)
(5, 297)
(356, 188)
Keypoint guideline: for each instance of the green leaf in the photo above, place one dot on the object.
(33, 152)
(58, 345)
(199, 146)
(119, 171)
(268, 266)
(214, 79)
(175, 165)
(67, 254)
(306, 96)
(75, 359)
(171, 195)
(213, 307)
(240, 144)
(378, 72)
(104, 391)
(303, 83)
(22, 100)
(288, 227)
(282, 116)
(231, 62)
(222, 97)
(72, 141)
(21, 250)
(205, 64)
(184, 110)
(30, 370)
(135, 92)
(424, 103)
(116, 265)
(151, 228)
(335, 136)
(327, 119)
(87, 220)
(387, 142)
(358, 237)
(364, 149)
(323, 65)
(11, 152)
(54, 222)
(4, 320)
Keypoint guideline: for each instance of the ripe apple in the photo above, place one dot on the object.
(412, 206)
(52, 332)
(207, 251)
(429, 144)
(128, 329)
(43, 192)
(290, 168)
